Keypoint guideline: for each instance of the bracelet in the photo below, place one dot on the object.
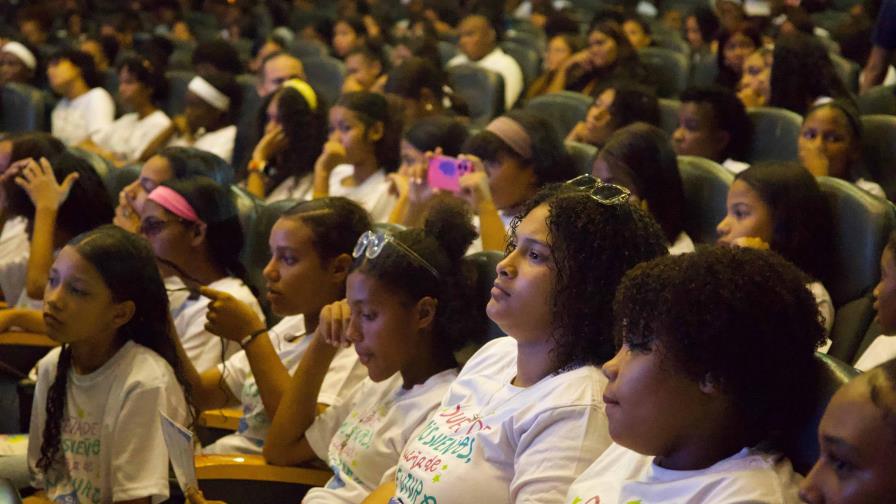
(248, 339)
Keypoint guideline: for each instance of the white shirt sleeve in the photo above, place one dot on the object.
(99, 111)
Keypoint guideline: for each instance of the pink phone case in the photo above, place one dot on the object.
(444, 173)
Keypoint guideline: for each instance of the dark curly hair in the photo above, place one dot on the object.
(416, 74)
(802, 232)
(305, 130)
(220, 54)
(149, 74)
(80, 59)
(190, 161)
(740, 317)
(372, 108)
(729, 115)
(34, 144)
(87, 207)
(550, 161)
(128, 268)
(644, 153)
(335, 222)
(427, 133)
(802, 71)
(442, 243)
(592, 245)
(707, 22)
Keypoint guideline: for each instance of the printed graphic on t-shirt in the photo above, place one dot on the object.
(447, 440)
(254, 418)
(596, 500)
(354, 437)
(78, 481)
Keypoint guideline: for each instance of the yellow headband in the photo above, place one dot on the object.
(305, 90)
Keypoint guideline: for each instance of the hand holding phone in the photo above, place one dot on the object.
(444, 172)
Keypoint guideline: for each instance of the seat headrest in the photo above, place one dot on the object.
(775, 134)
(862, 224)
(705, 185)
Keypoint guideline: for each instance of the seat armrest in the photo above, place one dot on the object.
(255, 468)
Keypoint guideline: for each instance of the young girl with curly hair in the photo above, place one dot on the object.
(524, 417)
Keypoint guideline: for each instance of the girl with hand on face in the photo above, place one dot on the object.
(524, 417)
(141, 87)
(209, 119)
(407, 308)
(609, 59)
(779, 206)
(711, 361)
(363, 146)
(560, 48)
(883, 348)
(514, 156)
(857, 438)
(95, 433)
(615, 108)
(830, 144)
(195, 233)
(169, 163)
(311, 246)
(754, 89)
(282, 164)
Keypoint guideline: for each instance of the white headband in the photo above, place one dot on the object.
(21, 52)
(209, 93)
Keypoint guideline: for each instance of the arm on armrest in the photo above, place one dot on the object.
(254, 467)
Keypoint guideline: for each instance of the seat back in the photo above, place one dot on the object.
(447, 50)
(481, 89)
(775, 134)
(853, 323)
(668, 67)
(831, 374)
(526, 57)
(847, 70)
(879, 148)
(24, 109)
(102, 167)
(862, 223)
(878, 100)
(8, 492)
(326, 75)
(247, 121)
(703, 71)
(582, 154)
(669, 115)
(301, 48)
(177, 91)
(705, 185)
(563, 110)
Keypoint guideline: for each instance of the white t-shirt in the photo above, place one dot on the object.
(372, 194)
(202, 347)
(218, 142)
(621, 475)
(14, 252)
(74, 121)
(290, 188)
(111, 437)
(882, 349)
(683, 244)
(129, 135)
(870, 187)
(362, 438)
(290, 341)
(502, 63)
(491, 441)
(735, 166)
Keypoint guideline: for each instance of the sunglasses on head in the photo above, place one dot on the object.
(371, 243)
(607, 194)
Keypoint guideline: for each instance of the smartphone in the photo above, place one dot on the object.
(445, 172)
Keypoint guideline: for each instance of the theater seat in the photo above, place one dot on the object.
(878, 100)
(862, 223)
(247, 121)
(326, 75)
(703, 72)
(775, 134)
(669, 68)
(563, 109)
(240, 479)
(24, 108)
(847, 70)
(669, 115)
(526, 57)
(447, 50)
(582, 155)
(705, 185)
(481, 89)
(177, 91)
(831, 374)
(301, 48)
(879, 148)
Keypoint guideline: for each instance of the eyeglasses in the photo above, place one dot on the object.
(607, 194)
(370, 244)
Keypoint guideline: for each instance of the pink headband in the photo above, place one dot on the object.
(513, 134)
(172, 201)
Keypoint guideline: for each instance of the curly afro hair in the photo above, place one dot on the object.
(593, 245)
(739, 317)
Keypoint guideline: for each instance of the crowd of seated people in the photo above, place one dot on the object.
(449, 252)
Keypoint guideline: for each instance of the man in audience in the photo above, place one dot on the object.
(276, 69)
(478, 44)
